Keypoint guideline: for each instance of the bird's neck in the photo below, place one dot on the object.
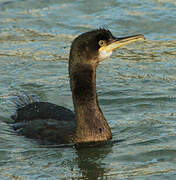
(91, 123)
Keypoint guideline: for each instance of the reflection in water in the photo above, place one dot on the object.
(89, 161)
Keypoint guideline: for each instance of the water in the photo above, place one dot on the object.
(136, 87)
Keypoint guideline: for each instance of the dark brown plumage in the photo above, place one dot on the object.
(55, 124)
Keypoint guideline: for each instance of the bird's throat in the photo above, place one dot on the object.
(91, 123)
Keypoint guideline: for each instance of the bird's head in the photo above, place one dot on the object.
(97, 45)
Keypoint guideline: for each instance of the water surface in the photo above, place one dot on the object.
(136, 87)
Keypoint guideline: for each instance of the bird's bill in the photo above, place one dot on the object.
(118, 42)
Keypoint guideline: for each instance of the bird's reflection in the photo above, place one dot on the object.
(89, 160)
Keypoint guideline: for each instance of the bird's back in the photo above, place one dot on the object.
(44, 121)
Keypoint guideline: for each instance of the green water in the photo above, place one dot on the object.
(136, 87)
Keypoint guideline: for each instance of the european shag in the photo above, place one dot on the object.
(58, 125)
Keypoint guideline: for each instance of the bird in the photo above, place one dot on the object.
(54, 124)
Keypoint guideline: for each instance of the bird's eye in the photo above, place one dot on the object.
(102, 43)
